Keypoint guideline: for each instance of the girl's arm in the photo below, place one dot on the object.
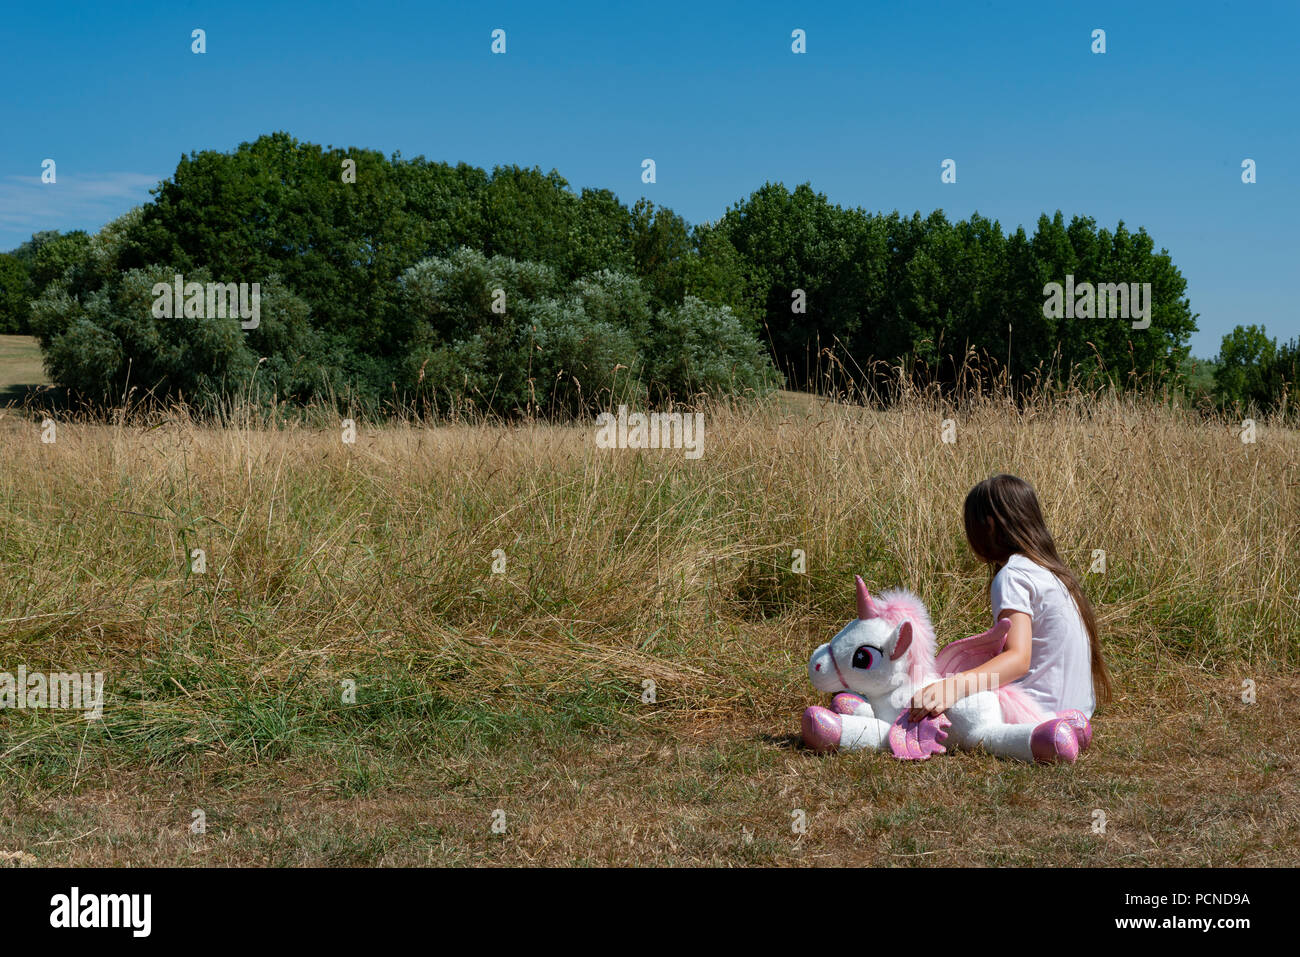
(1012, 663)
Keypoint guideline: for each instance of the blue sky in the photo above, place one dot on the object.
(1152, 132)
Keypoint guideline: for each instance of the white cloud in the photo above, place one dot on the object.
(84, 201)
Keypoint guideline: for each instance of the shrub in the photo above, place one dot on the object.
(699, 348)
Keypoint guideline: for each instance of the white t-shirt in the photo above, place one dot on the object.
(1060, 667)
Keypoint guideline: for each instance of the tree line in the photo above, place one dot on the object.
(387, 280)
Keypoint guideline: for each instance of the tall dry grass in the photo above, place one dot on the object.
(372, 562)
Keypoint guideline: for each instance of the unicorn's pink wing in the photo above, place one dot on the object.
(917, 740)
(1017, 707)
(972, 652)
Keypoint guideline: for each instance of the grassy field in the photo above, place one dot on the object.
(520, 699)
(20, 367)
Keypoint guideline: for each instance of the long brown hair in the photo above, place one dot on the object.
(1017, 526)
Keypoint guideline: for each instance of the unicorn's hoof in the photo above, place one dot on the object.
(821, 729)
(1081, 725)
(1054, 741)
(846, 702)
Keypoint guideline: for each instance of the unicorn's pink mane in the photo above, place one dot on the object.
(898, 605)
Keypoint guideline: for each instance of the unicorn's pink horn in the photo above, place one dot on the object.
(866, 607)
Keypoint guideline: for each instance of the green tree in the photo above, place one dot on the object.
(15, 295)
(803, 253)
(56, 256)
(661, 249)
(718, 274)
(1253, 369)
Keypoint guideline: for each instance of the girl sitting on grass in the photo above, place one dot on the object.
(1052, 651)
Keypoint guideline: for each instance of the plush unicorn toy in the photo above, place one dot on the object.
(880, 660)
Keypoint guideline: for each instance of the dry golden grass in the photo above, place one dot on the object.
(522, 691)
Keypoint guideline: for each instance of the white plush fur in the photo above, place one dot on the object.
(976, 718)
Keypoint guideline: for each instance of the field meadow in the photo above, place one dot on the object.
(479, 643)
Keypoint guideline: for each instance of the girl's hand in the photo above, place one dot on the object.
(934, 699)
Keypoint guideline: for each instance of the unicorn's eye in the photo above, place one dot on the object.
(864, 657)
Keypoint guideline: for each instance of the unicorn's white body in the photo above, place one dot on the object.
(881, 659)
